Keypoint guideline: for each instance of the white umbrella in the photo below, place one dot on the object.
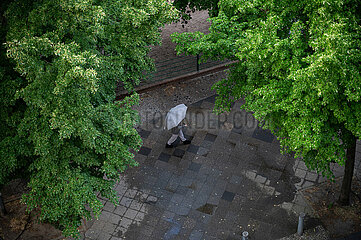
(175, 116)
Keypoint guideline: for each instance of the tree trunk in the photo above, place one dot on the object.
(344, 198)
(2, 207)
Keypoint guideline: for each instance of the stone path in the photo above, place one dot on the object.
(231, 179)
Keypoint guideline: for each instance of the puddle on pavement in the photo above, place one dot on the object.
(207, 208)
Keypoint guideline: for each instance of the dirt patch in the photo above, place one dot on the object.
(17, 223)
(340, 221)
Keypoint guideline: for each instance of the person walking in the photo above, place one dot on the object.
(175, 121)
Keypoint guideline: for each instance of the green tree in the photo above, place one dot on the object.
(60, 127)
(299, 71)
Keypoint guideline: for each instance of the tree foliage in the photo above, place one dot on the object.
(298, 69)
(60, 63)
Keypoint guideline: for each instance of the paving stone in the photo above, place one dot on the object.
(165, 176)
(116, 238)
(172, 207)
(251, 175)
(300, 173)
(228, 196)
(206, 144)
(97, 225)
(182, 190)
(219, 188)
(299, 184)
(172, 186)
(167, 215)
(167, 166)
(235, 179)
(91, 234)
(260, 179)
(307, 184)
(109, 206)
(121, 188)
(120, 210)
(192, 148)
(189, 201)
(196, 235)
(143, 208)
(214, 200)
(302, 165)
(237, 173)
(186, 182)
(140, 216)
(206, 189)
(269, 190)
(104, 236)
(164, 157)
(125, 201)
(202, 151)
(194, 167)
(144, 133)
(178, 153)
(104, 216)
(136, 205)
(287, 206)
(190, 174)
(311, 177)
(182, 210)
(143, 196)
(130, 193)
(130, 213)
(125, 222)
(177, 198)
(298, 209)
(144, 151)
(200, 201)
(114, 219)
(263, 135)
(109, 228)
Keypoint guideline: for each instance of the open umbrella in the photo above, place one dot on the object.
(175, 116)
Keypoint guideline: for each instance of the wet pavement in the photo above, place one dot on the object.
(231, 178)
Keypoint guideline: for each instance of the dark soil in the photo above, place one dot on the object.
(17, 224)
(340, 221)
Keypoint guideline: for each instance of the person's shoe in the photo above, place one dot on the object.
(169, 145)
(186, 142)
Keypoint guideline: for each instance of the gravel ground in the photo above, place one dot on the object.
(159, 100)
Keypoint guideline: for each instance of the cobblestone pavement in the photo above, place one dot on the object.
(231, 178)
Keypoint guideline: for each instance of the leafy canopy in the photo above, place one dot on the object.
(298, 69)
(60, 126)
